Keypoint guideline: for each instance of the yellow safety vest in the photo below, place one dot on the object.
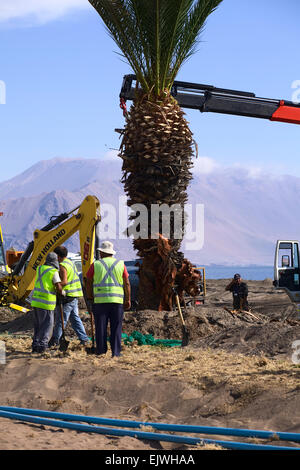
(44, 293)
(73, 288)
(108, 281)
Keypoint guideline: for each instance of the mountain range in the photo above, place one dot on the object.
(244, 214)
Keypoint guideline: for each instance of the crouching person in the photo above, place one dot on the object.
(47, 286)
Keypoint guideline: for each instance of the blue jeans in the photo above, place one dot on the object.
(71, 313)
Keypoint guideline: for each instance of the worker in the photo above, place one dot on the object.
(108, 288)
(239, 291)
(72, 288)
(47, 285)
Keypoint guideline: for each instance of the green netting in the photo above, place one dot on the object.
(149, 340)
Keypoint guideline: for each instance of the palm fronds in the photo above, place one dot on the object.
(155, 36)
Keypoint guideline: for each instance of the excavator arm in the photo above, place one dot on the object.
(3, 268)
(207, 98)
(16, 286)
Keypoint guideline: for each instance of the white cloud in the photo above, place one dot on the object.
(251, 171)
(111, 155)
(255, 172)
(258, 172)
(40, 11)
(207, 165)
(204, 165)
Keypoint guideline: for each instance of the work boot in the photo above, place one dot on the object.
(52, 342)
(38, 349)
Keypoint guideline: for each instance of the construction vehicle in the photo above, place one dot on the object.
(287, 269)
(12, 257)
(198, 299)
(17, 285)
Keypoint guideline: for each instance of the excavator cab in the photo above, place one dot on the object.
(286, 268)
(13, 257)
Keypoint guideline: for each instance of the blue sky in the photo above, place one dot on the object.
(63, 79)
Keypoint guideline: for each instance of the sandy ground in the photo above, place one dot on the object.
(237, 371)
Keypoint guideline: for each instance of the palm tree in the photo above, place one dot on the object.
(156, 37)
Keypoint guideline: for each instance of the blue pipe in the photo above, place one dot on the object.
(287, 436)
(139, 434)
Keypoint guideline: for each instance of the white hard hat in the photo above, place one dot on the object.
(107, 247)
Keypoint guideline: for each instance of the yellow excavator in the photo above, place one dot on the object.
(17, 281)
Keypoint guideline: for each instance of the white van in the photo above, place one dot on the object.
(76, 258)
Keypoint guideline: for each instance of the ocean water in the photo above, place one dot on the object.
(214, 271)
(250, 273)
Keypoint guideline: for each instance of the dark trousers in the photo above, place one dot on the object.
(114, 314)
(43, 321)
(237, 303)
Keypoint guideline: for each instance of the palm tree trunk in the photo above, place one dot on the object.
(157, 150)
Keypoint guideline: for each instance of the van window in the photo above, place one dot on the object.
(78, 266)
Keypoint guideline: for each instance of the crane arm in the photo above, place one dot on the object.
(207, 98)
